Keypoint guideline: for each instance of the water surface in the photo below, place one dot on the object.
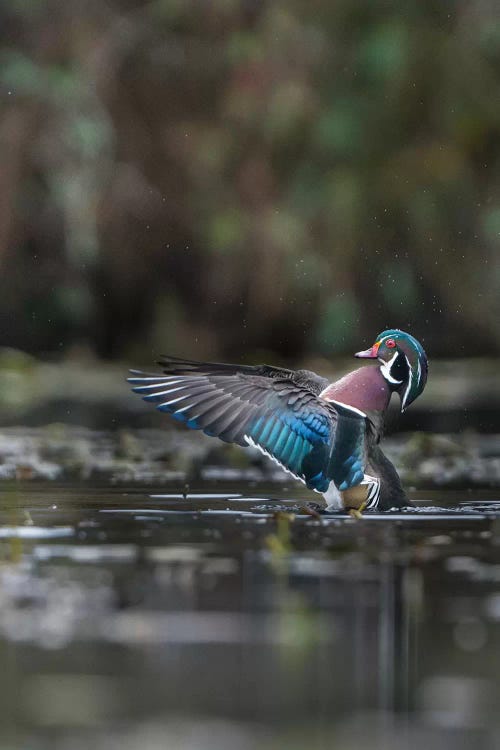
(139, 617)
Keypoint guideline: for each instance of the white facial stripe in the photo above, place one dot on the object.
(385, 369)
(407, 391)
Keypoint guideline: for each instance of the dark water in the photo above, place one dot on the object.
(133, 620)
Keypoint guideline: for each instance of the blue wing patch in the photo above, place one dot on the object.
(346, 464)
(299, 442)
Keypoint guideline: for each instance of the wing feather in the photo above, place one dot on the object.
(267, 407)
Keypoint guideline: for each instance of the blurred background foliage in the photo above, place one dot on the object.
(239, 178)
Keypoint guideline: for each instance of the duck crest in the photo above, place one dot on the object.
(403, 363)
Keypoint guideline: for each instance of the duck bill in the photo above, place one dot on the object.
(369, 353)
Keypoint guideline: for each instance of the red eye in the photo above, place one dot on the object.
(390, 343)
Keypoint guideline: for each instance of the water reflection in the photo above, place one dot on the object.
(238, 626)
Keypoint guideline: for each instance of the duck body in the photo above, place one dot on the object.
(325, 434)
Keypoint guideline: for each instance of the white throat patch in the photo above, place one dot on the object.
(385, 369)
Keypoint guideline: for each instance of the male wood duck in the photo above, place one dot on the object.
(325, 434)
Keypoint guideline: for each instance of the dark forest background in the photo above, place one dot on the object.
(236, 178)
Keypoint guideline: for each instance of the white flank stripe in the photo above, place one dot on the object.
(373, 485)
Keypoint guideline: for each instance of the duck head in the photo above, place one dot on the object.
(403, 363)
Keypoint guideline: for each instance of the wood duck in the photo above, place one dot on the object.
(325, 434)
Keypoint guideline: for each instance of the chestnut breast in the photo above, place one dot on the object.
(365, 389)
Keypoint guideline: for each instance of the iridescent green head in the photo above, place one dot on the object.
(403, 363)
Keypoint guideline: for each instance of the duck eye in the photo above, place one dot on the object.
(390, 343)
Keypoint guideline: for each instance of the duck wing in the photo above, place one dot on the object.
(176, 365)
(273, 409)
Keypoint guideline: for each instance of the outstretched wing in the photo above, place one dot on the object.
(178, 366)
(263, 406)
